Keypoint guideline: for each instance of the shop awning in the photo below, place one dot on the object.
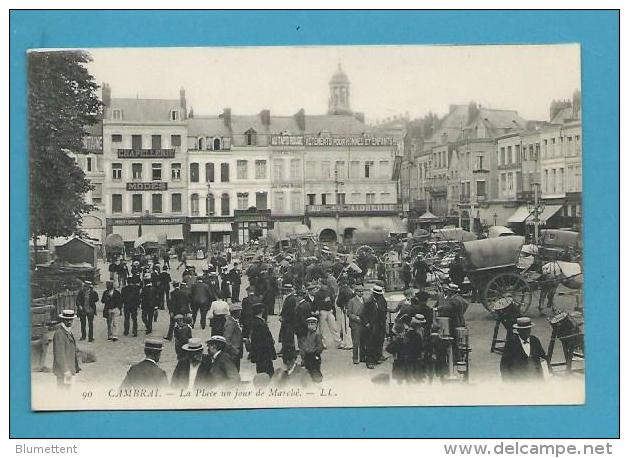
(216, 227)
(128, 233)
(548, 212)
(520, 215)
(172, 231)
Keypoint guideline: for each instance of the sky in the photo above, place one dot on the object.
(385, 80)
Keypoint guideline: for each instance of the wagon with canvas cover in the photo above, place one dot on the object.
(492, 267)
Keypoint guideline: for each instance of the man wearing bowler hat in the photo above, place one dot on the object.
(523, 354)
(246, 316)
(66, 363)
(147, 373)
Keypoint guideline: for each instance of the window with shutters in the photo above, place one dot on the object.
(210, 207)
(260, 169)
(481, 188)
(278, 202)
(312, 199)
(250, 137)
(225, 204)
(241, 170)
(225, 172)
(368, 169)
(243, 200)
(370, 198)
(194, 172)
(175, 140)
(341, 171)
(116, 203)
(156, 203)
(209, 172)
(175, 203)
(136, 141)
(261, 200)
(116, 115)
(136, 203)
(194, 205)
(156, 141)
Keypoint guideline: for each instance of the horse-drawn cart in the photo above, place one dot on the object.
(492, 267)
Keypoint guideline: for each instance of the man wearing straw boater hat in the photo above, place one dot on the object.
(66, 363)
(186, 374)
(523, 354)
(218, 368)
(147, 373)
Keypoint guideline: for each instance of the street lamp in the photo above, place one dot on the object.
(495, 219)
(209, 220)
(536, 208)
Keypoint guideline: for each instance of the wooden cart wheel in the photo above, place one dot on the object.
(507, 287)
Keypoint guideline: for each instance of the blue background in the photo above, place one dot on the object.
(598, 34)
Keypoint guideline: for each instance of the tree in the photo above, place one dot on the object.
(62, 101)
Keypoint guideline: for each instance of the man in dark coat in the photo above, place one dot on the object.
(233, 334)
(287, 318)
(86, 301)
(420, 272)
(112, 309)
(131, 303)
(522, 355)
(164, 284)
(149, 297)
(270, 289)
(65, 361)
(235, 279)
(188, 373)
(200, 301)
(456, 272)
(179, 305)
(262, 345)
(303, 310)
(147, 374)
(374, 318)
(407, 274)
(247, 310)
(218, 368)
(214, 286)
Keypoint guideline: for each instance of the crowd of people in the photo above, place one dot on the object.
(324, 304)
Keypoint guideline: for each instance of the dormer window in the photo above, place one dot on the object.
(200, 142)
(116, 115)
(250, 137)
(174, 115)
(217, 144)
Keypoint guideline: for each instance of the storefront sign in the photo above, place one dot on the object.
(149, 186)
(145, 221)
(145, 153)
(315, 141)
(286, 186)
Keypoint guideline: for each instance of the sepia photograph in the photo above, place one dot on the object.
(305, 226)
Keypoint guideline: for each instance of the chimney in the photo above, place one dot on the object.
(472, 111)
(106, 95)
(265, 117)
(300, 118)
(360, 117)
(576, 104)
(182, 99)
(227, 117)
(191, 113)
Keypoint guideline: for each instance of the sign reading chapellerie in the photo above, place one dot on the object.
(149, 186)
(309, 140)
(145, 153)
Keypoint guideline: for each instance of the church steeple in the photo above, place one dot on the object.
(339, 93)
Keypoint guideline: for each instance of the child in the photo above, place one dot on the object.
(182, 332)
(313, 347)
(398, 347)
